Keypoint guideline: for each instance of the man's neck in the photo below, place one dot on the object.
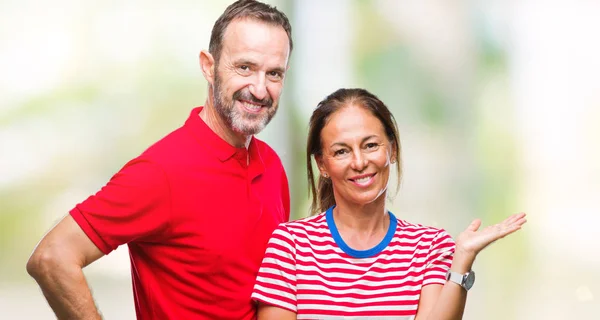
(213, 120)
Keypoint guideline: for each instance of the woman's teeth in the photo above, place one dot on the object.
(363, 180)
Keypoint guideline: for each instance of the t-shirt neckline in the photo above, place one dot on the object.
(360, 253)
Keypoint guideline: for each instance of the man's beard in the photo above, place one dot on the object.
(239, 120)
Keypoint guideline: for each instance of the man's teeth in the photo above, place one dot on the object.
(251, 106)
(363, 180)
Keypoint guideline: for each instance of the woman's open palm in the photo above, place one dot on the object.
(473, 240)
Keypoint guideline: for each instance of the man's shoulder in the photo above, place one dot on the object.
(157, 155)
(264, 147)
(179, 140)
(266, 152)
(170, 144)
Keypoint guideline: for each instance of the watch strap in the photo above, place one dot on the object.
(455, 277)
(464, 280)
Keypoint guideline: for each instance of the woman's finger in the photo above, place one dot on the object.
(521, 221)
(514, 217)
(474, 225)
(513, 227)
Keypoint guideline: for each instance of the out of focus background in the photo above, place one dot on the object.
(498, 104)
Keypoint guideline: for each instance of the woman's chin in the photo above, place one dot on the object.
(365, 200)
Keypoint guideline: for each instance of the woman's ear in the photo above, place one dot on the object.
(322, 170)
(207, 64)
(394, 153)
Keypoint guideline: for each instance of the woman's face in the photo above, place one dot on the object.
(356, 156)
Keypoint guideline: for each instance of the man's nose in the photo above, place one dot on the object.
(259, 87)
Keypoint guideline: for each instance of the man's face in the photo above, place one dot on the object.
(250, 73)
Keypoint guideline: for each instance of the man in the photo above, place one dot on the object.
(196, 209)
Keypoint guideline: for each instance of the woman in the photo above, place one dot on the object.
(355, 258)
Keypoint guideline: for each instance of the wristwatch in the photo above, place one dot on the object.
(464, 280)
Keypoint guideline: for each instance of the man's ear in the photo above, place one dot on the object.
(207, 64)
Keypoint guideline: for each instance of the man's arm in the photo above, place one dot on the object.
(56, 264)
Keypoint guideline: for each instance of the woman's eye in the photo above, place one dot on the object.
(372, 145)
(339, 152)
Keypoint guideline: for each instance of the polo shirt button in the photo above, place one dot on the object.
(242, 157)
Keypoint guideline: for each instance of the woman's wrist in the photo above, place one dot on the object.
(462, 261)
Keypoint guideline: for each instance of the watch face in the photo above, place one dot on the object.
(470, 280)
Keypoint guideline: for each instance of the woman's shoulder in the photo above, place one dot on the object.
(419, 229)
(311, 221)
(315, 224)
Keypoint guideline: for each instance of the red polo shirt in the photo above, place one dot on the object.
(196, 217)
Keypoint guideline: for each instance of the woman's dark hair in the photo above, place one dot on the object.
(322, 195)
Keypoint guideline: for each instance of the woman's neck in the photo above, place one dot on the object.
(362, 226)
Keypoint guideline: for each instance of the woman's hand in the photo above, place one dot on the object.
(448, 301)
(471, 241)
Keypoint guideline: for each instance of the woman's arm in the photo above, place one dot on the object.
(275, 287)
(269, 312)
(447, 302)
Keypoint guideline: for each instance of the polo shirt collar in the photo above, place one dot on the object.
(221, 148)
(257, 166)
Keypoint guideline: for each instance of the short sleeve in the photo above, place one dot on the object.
(439, 259)
(276, 280)
(133, 206)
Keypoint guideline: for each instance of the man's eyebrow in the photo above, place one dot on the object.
(278, 69)
(246, 62)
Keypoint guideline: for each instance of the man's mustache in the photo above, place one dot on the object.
(247, 96)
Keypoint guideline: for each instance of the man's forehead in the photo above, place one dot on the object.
(240, 24)
(247, 35)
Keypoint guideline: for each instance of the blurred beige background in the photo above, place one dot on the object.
(498, 104)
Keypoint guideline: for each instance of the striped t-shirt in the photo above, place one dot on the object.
(308, 269)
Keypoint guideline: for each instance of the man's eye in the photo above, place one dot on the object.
(244, 68)
(275, 74)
